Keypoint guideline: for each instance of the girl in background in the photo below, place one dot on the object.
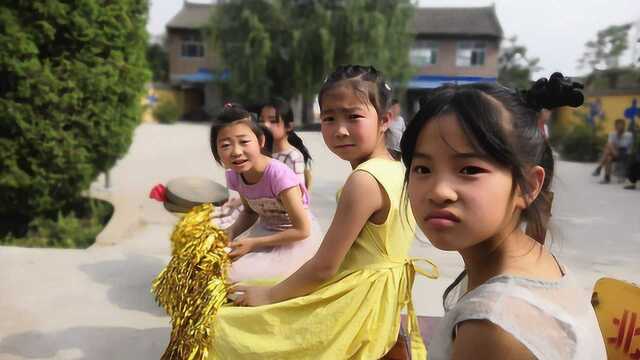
(277, 116)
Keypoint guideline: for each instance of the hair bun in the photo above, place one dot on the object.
(555, 92)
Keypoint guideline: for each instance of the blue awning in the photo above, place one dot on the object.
(204, 76)
(434, 81)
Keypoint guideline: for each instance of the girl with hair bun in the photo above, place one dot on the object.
(478, 170)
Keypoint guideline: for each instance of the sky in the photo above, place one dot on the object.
(553, 30)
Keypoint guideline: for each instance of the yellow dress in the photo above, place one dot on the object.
(355, 315)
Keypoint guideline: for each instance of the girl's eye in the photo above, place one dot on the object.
(274, 121)
(355, 116)
(471, 170)
(224, 146)
(244, 142)
(327, 119)
(421, 169)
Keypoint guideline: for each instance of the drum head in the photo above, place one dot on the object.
(187, 192)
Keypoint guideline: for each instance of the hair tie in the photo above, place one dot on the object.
(552, 93)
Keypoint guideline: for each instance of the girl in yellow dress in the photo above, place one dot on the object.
(345, 302)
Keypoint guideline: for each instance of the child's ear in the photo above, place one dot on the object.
(535, 179)
(386, 120)
(262, 140)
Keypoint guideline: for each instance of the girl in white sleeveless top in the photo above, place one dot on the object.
(478, 169)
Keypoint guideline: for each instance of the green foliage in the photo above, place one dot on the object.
(605, 51)
(68, 230)
(166, 111)
(158, 61)
(286, 48)
(514, 68)
(71, 76)
(581, 143)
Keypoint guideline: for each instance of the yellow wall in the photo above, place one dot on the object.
(613, 107)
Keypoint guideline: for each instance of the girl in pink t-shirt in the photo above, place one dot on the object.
(275, 233)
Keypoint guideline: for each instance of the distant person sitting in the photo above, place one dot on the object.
(616, 149)
(395, 130)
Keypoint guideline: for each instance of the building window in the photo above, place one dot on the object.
(192, 45)
(470, 53)
(423, 54)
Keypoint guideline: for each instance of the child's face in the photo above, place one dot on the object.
(350, 128)
(238, 147)
(459, 197)
(268, 118)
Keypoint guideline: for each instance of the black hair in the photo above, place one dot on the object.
(284, 112)
(620, 120)
(268, 140)
(516, 144)
(365, 81)
(232, 114)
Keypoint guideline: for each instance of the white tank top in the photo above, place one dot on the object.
(553, 319)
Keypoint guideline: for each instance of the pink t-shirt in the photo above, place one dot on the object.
(263, 195)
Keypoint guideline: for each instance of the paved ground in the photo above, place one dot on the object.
(95, 303)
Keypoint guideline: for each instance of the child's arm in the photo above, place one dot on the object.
(495, 342)
(361, 198)
(246, 218)
(291, 198)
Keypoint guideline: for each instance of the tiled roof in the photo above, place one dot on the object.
(457, 21)
(477, 21)
(191, 16)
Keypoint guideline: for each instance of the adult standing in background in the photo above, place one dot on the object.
(395, 129)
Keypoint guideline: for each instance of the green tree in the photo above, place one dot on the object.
(158, 60)
(514, 67)
(71, 76)
(605, 51)
(286, 48)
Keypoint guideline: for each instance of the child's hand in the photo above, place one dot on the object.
(251, 295)
(241, 247)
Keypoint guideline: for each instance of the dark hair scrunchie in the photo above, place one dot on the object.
(556, 92)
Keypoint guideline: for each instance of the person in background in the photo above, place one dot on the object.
(395, 130)
(617, 147)
(277, 116)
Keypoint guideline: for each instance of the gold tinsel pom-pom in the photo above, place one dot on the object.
(193, 286)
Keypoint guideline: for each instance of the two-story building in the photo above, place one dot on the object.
(452, 45)
(191, 61)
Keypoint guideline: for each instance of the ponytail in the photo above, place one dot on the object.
(296, 141)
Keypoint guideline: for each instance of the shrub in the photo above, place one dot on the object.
(75, 229)
(71, 76)
(166, 111)
(581, 143)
